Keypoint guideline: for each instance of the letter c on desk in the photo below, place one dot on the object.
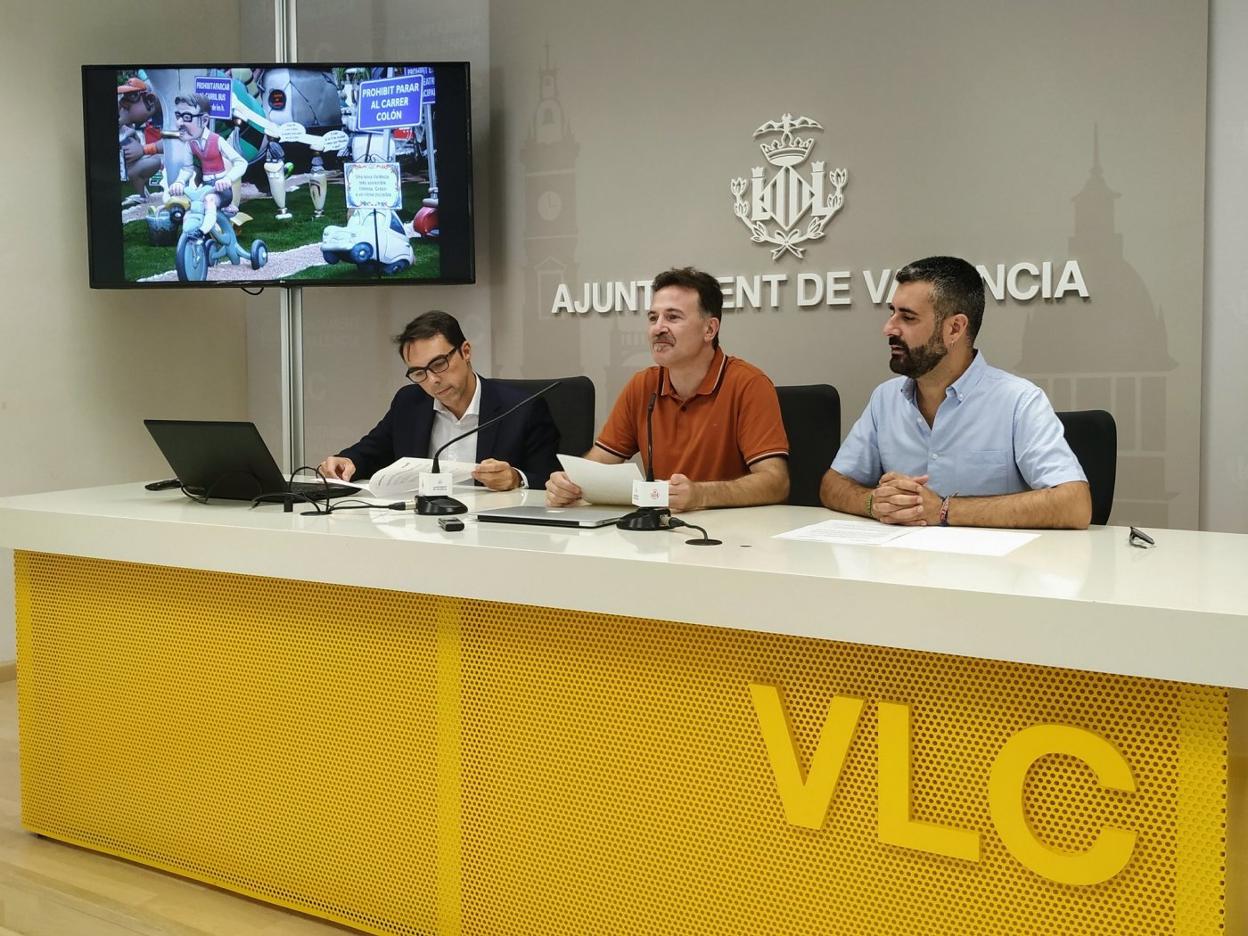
(1113, 847)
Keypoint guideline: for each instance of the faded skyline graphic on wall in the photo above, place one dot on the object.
(1117, 359)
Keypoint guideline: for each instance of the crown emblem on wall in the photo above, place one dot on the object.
(787, 150)
(787, 197)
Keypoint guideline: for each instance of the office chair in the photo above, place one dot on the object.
(812, 420)
(1093, 437)
(571, 406)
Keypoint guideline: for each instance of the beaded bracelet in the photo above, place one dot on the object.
(871, 505)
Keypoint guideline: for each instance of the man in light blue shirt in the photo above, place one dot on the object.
(953, 440)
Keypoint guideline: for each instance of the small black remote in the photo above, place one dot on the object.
(163, 485)
(451, 524)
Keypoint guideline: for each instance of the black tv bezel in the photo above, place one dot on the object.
(455, 175)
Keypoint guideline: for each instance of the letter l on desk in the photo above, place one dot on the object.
(895, 824)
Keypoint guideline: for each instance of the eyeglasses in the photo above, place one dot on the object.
(186, 116)
(1140, 539)
(437, 366)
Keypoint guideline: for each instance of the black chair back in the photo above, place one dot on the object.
(812, 419)
(571, 406)
(1093, 437)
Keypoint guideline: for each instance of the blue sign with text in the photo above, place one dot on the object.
(217, 91)
(427, 95)
(386, 103)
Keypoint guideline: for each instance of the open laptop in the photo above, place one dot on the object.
(584, 518)
(229, 460)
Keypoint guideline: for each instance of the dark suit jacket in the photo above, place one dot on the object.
(526, 440)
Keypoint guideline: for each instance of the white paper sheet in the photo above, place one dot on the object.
(963, 540)
(844, 533)
(602, 484)
(403, 476)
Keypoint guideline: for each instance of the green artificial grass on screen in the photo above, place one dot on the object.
(143, 260)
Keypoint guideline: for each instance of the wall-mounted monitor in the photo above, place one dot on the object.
(266, 174)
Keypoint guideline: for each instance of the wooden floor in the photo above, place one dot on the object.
(50, 889)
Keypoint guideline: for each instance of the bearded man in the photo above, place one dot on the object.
(953, 441)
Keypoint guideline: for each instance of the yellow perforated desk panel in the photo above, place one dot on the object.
(414, 764)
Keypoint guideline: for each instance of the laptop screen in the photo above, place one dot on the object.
(218, 459)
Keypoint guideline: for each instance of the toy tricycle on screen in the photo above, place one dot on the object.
(196, 252)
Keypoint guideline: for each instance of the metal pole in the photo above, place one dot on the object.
(291, 303)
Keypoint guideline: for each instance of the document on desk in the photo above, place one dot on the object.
(962, 540)
(844, 533)
(602, 484)
(403, 476)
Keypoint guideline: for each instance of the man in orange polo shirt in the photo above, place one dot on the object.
(718, 435)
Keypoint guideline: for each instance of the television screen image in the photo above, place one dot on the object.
(266, 174)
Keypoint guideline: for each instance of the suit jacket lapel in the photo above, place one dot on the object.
(421, 426)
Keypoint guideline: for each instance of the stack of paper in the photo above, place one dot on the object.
(403, 477)
(962, 540)
(599, 483)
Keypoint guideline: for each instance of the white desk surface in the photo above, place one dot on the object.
(1077, 599)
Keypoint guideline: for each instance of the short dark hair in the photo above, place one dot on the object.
(710, 293)
(956, 287)
(195, 100)
(429, 325)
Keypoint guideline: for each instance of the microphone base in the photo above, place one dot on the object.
(439, 506)
(646, 519)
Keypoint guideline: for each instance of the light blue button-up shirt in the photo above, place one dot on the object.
(994, 433)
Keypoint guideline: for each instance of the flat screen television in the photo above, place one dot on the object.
(278, 174)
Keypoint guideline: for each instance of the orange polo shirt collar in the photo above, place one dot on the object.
(710, 382)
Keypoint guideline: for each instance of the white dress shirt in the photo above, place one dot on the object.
(447, 427)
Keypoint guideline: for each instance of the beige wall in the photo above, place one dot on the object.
(998, 132)
(80, 369)
(1224, 429)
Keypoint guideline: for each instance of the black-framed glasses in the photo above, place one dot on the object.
(1141, 539)
(186, 116)
(436, 366)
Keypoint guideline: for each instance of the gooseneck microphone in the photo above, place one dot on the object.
(648, 518)
(442, 505)
(658, 518)
(654, 398)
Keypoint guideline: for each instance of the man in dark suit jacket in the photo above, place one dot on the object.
(447, 400)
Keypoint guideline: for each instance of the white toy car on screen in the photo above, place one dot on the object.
(373, 239)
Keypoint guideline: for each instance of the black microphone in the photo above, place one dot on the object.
(648, 518)
(442, 505)
(658, 518)
(654, 398)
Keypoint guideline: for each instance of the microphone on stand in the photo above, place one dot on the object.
(659, 518)
(648, 518)
(442, 505)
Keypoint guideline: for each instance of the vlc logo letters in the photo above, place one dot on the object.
(806, 794)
